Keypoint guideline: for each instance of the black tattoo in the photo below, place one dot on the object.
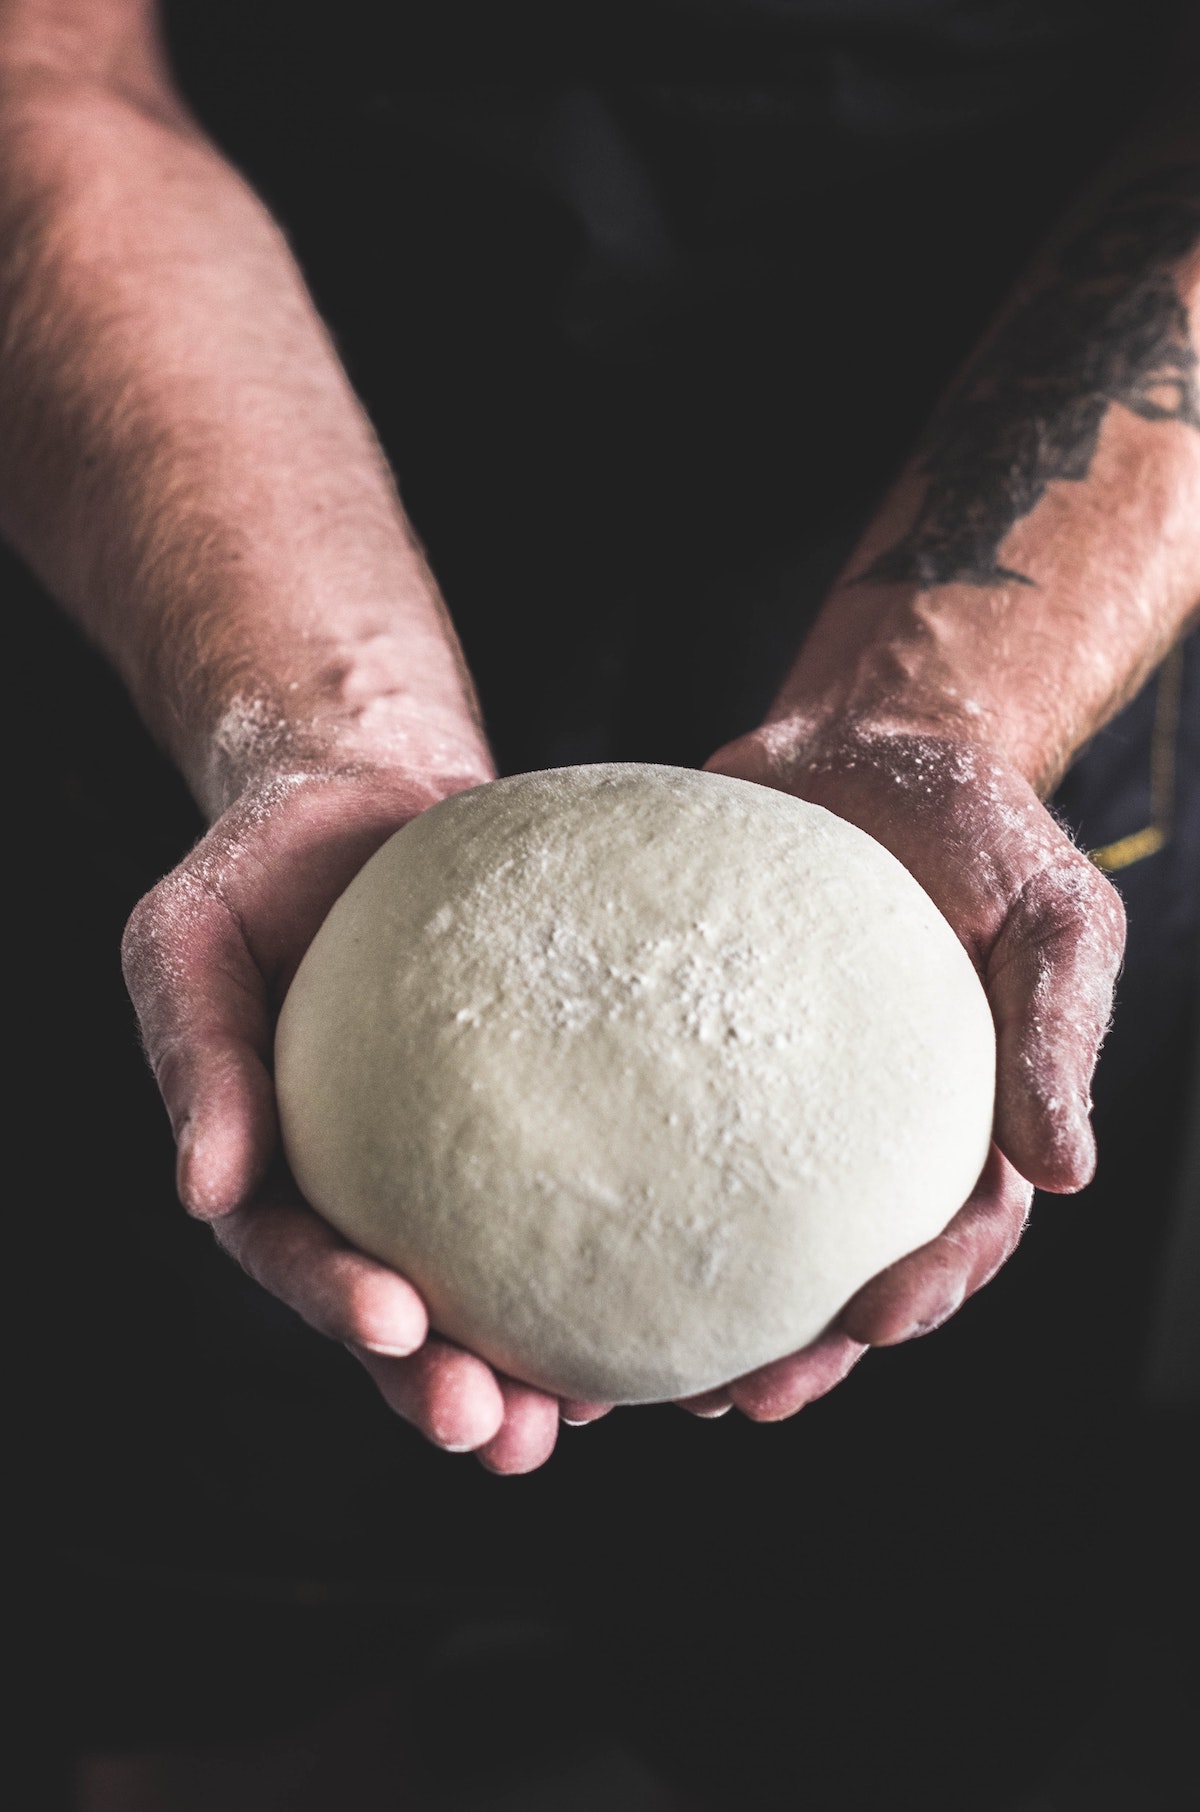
(1109, 327)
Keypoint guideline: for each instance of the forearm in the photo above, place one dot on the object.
(184, 463)
(1042, 552)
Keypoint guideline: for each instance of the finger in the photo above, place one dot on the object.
(776, 1391)
(577, 1414)
(1050, 981)
(918, 1293)
(451, 1396)
(708, 1405)
(340, 1292)
(528, 1432)
(205, 1021)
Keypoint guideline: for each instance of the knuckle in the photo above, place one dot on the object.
(189, 900)
(155, 942)
(354, 1303)
(1071, 918)
(139, 938)
(267, 1249)
(169, 1064)
(1092, 904)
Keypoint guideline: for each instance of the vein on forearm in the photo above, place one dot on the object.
(184, 462)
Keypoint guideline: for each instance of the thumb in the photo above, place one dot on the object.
(1050, 980)
(202, 1006)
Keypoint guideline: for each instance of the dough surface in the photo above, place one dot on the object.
(638, 1073)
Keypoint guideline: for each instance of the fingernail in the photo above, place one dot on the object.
(384, 1351)
(587, 1412)
(185, 1158)
(708, 1404)
(194, 1187)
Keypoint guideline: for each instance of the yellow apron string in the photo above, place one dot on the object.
(1142, 843)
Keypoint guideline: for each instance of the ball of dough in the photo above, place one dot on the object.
(637, 1073)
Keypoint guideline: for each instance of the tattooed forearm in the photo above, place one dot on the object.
(1109, 327)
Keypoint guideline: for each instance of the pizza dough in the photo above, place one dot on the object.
(638, 1073)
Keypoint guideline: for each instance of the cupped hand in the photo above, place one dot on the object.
(210, 951)
(1045, 932)
(208, 957)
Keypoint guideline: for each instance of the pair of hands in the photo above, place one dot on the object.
(210, 952)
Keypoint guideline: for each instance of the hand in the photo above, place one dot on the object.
(209, 954)
(1045, 931)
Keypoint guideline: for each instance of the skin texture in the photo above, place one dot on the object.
(186, 468)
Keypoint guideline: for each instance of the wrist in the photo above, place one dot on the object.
(253, 747)
(829, 756)
(836, 728)
(384, 709)
(318, 682)
(948, 665)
